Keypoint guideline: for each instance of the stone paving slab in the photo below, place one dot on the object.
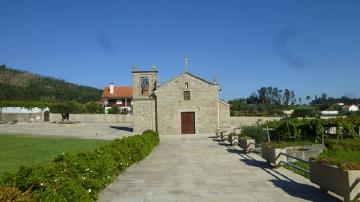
(199, 168)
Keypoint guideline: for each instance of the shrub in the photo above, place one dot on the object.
(69, 107)
(305, 112)
(82, 176)
(14, 194)
(255, 132)
(114, 110)
(92, 108)
(314, 129)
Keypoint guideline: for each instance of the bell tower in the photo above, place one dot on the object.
(144, 108)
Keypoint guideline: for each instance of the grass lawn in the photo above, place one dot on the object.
(283, 144)
(344, 153)
(302, 165)
(17, 150)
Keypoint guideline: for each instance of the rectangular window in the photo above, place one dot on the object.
(119, 102)
(186, 95)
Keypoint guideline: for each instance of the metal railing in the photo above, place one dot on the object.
(223, 136)
(292, 165)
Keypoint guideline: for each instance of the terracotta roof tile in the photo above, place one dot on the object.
(119, 92)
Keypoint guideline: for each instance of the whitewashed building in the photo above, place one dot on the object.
(350, 108)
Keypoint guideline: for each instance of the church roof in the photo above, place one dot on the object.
(200, 78)
(192, 75)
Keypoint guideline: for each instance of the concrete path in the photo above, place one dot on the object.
(107, 131)
(199, 168)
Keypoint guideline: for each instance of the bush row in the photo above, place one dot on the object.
(314, 129)
(290, 129)
(82, 176)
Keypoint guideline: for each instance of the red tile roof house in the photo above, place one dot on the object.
(120, 96)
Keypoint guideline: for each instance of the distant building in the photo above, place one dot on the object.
(117, 96)
(23, 110)
(350, 108)
(23, 114)
(288, 112)
(330, 112)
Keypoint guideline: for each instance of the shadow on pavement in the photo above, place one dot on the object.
(291, 187)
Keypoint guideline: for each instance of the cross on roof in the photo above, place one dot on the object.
(186, 61)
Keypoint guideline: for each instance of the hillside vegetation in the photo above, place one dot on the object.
(25, 86)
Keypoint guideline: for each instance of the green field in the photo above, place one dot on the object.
(17, 150)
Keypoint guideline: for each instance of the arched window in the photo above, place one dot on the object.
(186, 85)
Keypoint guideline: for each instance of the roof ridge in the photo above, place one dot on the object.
(190, 74)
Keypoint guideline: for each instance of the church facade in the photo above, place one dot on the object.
(186, 104)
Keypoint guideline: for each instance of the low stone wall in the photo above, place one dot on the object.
(96, 118)
(238, 121)
(21, 117)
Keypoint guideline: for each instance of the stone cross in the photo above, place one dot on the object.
(186, 61)
(134, 67)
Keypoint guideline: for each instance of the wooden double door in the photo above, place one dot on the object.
(187, 122)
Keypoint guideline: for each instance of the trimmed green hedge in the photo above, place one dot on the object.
(82, 176)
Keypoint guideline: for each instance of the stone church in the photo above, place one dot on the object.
(186, 104)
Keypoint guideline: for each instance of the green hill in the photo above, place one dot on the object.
(25, 86)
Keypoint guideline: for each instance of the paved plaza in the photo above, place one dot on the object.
(106, 131)
(200, 168)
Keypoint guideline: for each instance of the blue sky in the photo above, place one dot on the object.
(305, 45)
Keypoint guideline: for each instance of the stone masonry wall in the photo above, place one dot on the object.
(203, 101)
(224, 114)
(21, 117)
(144, 115)
(238, 121)
(126, 120)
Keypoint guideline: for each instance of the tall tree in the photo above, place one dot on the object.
(287, 97)
(308, 98)
(292, 97)
(262, 94)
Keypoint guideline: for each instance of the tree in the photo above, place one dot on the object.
(252, 99)
(280, 97)
(300, 101)
(269, 95)
(304, 112)
(292, 97)
(93, 108)
(262, 94)
(287, 97)
(276, 96)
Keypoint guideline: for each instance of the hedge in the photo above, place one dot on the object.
(80, 177)
(313, 129)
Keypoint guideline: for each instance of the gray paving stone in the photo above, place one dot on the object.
(196, 168)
